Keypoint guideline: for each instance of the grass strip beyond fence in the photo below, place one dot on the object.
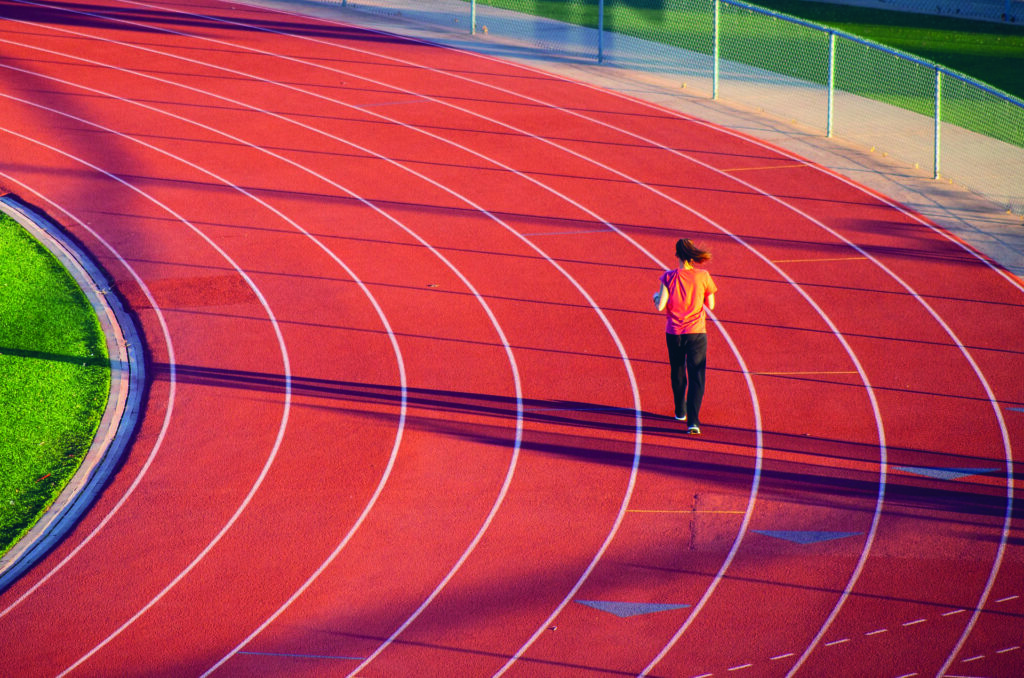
(986, 52)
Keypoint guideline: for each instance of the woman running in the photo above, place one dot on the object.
(685, 295)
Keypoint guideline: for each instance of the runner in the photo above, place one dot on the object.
(684, 295)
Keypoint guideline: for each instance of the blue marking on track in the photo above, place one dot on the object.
(301, 656)
(629, 609)
(945, 473)
(806, 536)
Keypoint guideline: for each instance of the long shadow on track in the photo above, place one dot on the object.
(668, 450)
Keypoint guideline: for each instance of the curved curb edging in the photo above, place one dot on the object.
(127, 381)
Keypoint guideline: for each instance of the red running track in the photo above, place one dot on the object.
(409, 412)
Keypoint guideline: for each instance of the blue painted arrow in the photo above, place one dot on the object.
(629, 609)
(805, 536)
(945, 473)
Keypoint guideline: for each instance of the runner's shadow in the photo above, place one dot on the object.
(724, 455)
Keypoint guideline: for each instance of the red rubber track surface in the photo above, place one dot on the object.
(409, 410)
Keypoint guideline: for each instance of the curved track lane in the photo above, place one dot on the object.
(409, 408)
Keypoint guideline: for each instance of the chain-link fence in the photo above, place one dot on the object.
(918, 112)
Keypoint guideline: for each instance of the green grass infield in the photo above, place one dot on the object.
(54, 379)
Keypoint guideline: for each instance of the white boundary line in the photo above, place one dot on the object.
(960, 345)
(637, 407)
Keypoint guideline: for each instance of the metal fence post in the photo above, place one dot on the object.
(938, 124)
(600, 31)
(831, 82)
(714, 48)
(472, 17)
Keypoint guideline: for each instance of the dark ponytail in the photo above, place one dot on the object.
(687, 251)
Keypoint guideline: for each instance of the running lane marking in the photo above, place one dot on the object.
(519, 417)
(1007, 447)
(842, 340)
(565, 273)
(817, 260)
(766, 167)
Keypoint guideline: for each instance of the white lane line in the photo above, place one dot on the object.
(915, 622)
(519, 408)
(842, 340)
(818, 260)
(997, 562)
(171, 393)
(876, 632)
(1007, 448)
(637, 408)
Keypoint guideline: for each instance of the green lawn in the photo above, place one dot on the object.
(54, 379)
(990, 52)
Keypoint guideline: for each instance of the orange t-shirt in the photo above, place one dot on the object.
(687, 289)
